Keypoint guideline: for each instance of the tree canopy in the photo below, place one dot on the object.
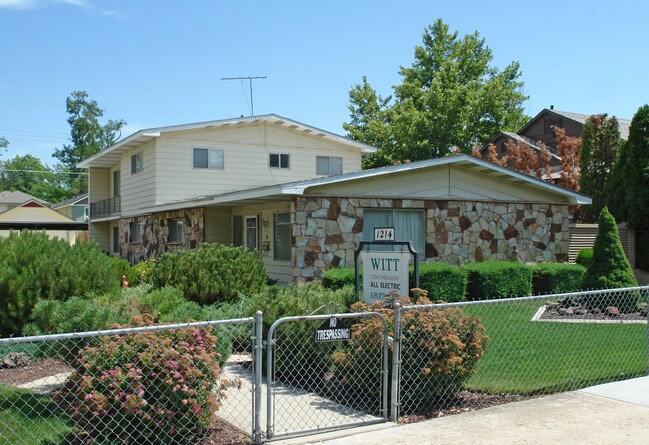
(450, 97)
(27, 174)
(87, 136)
(636, 171)
(600, 143)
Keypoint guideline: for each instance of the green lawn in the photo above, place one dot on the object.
(29, 418)
(525, 357)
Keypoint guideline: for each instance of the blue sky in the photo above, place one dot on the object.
(155, 63)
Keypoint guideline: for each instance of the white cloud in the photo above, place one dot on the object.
(25, 5)
(21, 4)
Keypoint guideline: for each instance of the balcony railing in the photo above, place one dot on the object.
(105, 208)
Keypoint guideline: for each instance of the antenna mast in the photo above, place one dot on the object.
(250, 79)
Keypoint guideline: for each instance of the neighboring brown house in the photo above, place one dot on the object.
(539, 129)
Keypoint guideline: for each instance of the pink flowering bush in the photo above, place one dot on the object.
(148, 388)
(439, 350)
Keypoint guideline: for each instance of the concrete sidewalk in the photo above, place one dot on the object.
(614, 413)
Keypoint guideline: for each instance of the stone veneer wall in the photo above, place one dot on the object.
(326, 231)
(156, 234)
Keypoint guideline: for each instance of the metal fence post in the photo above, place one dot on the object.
(396, 363)
(258, 360)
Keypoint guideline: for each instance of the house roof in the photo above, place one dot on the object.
(36, 214)
(524, 140)
(71, 201)
(110, 156)
(284, 191)
(17, 197)
(580, 118)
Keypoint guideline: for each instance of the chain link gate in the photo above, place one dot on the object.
(326, 372)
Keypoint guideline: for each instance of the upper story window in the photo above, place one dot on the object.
(279, 160)
(136, 163)
(329, 165)
(209, 158)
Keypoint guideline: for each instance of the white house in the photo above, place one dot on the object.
(298, 195)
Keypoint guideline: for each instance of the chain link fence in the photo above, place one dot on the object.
(322, 377)
(472, 354)
(161, 384)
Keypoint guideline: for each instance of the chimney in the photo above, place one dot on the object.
(552, 107)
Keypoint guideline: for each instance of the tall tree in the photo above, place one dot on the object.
(637, 171)
(4, 143)
(616, 195)
(87, 136)
(451, 96)
(600, 144)
(27, 174)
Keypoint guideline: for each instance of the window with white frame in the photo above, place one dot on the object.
(329, 165)
(136, 163)
(279, 160)
(252, 232)
(208, 158)
(408, 225)
(282, 236)
(135, 230)
(176, 230)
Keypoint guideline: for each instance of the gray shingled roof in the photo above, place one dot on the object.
(16, 197)
(581, 118)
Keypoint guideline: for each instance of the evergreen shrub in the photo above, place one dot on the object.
(211, 273)
(498, 279)
(123, 268)
(609, 269)
(556, 278)
(34, 267)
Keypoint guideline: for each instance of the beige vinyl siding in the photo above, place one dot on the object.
(443, 182)
(138, 190)
(33, 214)
(218, 226)
(99, 184)
(246, 156)
(277, 270)
(100, 233)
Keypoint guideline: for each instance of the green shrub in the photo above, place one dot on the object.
(441, 281)
(439, 351)
(556, 278)
(143, 270)
(584, 257)
(211, 273)
(497, 279)
(123, 268)
(153, 387)
(609, 268)
(337, 278)
(297, 337)
(34, 267)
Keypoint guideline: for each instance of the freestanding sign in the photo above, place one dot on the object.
(384, 272)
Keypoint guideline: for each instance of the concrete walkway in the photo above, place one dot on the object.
(610, 414)
(294, 408)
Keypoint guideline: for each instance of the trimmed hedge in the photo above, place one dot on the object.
(337, 278)
(442, 281)
(210, 274)
(498, 279)
(556, 278)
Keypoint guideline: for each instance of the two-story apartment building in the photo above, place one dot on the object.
(297, 194)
